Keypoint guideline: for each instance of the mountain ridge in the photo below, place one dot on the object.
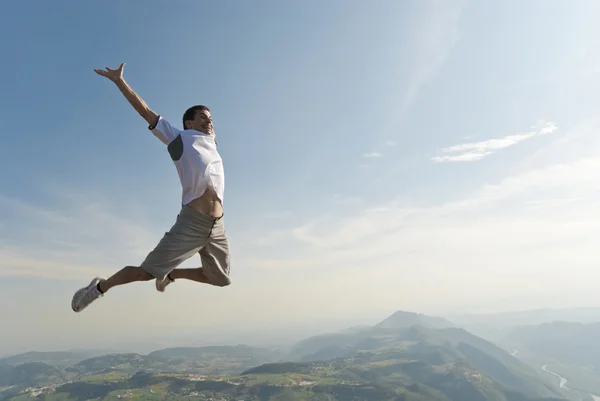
(405, 355)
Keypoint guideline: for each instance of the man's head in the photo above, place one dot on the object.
(198, 118)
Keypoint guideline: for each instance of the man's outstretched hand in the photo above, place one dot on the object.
(137, 102)
(113, 75)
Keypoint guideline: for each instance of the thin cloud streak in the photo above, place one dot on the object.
(17, 262)
(437, 33)
(372, 155)
(480, 223)
(80, 239)
(474, 151)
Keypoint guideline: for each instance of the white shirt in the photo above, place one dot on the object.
(196, 158)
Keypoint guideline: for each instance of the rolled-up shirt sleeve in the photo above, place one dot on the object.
(164, 131)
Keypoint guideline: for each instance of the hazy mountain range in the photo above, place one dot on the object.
(407, 356)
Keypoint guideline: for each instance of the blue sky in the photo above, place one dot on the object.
(433, 156)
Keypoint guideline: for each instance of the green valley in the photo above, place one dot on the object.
(407, 357)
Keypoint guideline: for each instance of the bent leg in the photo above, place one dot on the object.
(126, 275)
(215, 257)
(98, 286)
(215, 263)
(196, 274)
(185, 238)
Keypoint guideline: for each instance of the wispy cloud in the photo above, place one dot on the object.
(80, 238)
(501, 220)
(503, 236)
(437, 35)
(372, 155)
(473, 151)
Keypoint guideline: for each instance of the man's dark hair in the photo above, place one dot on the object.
(191, 113)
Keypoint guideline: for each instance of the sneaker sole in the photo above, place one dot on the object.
(77, 294)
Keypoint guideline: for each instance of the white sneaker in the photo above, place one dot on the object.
(86, 295)
(162, 284)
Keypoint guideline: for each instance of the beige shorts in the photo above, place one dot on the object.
(193, 232)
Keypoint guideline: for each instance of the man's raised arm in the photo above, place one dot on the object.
(133, 98)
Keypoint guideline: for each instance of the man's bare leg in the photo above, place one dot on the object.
(195, 274)
(98, 286)
(128, 274)
(190, 274)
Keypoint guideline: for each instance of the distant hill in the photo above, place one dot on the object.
(496, 362)
(430, 340)
(56, 358)
(403, 319)
(130, 361)
(200, 360)
(497, 326)
(369, 376)
(415, 379)
(223, 360)
(563, 341)
(345, 342)
(30, 374)
(529, 317)
(259, 355)
(406, 357)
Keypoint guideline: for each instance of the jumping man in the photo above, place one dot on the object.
(199, 226)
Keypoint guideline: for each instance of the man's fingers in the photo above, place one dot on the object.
(104, 74)
(109, 72)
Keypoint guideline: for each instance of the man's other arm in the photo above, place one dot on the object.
(137, 102)
(133, 98)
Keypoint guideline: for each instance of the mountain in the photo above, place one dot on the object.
(368, 376)
(374, 376)
(497, 326)
(345, 342)
(16, 375)
(564, 341)
(496, 362)
(124, 362)
(197, 360)
(567, 349)
(254, 354)
(57, 358)
(407, 356)
(530, 317)
(434, 347)
(29, 374)
(403, 319)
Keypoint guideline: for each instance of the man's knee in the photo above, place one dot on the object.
(222, 281)
(143, 275)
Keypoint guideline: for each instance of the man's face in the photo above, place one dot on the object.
(202, 122)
